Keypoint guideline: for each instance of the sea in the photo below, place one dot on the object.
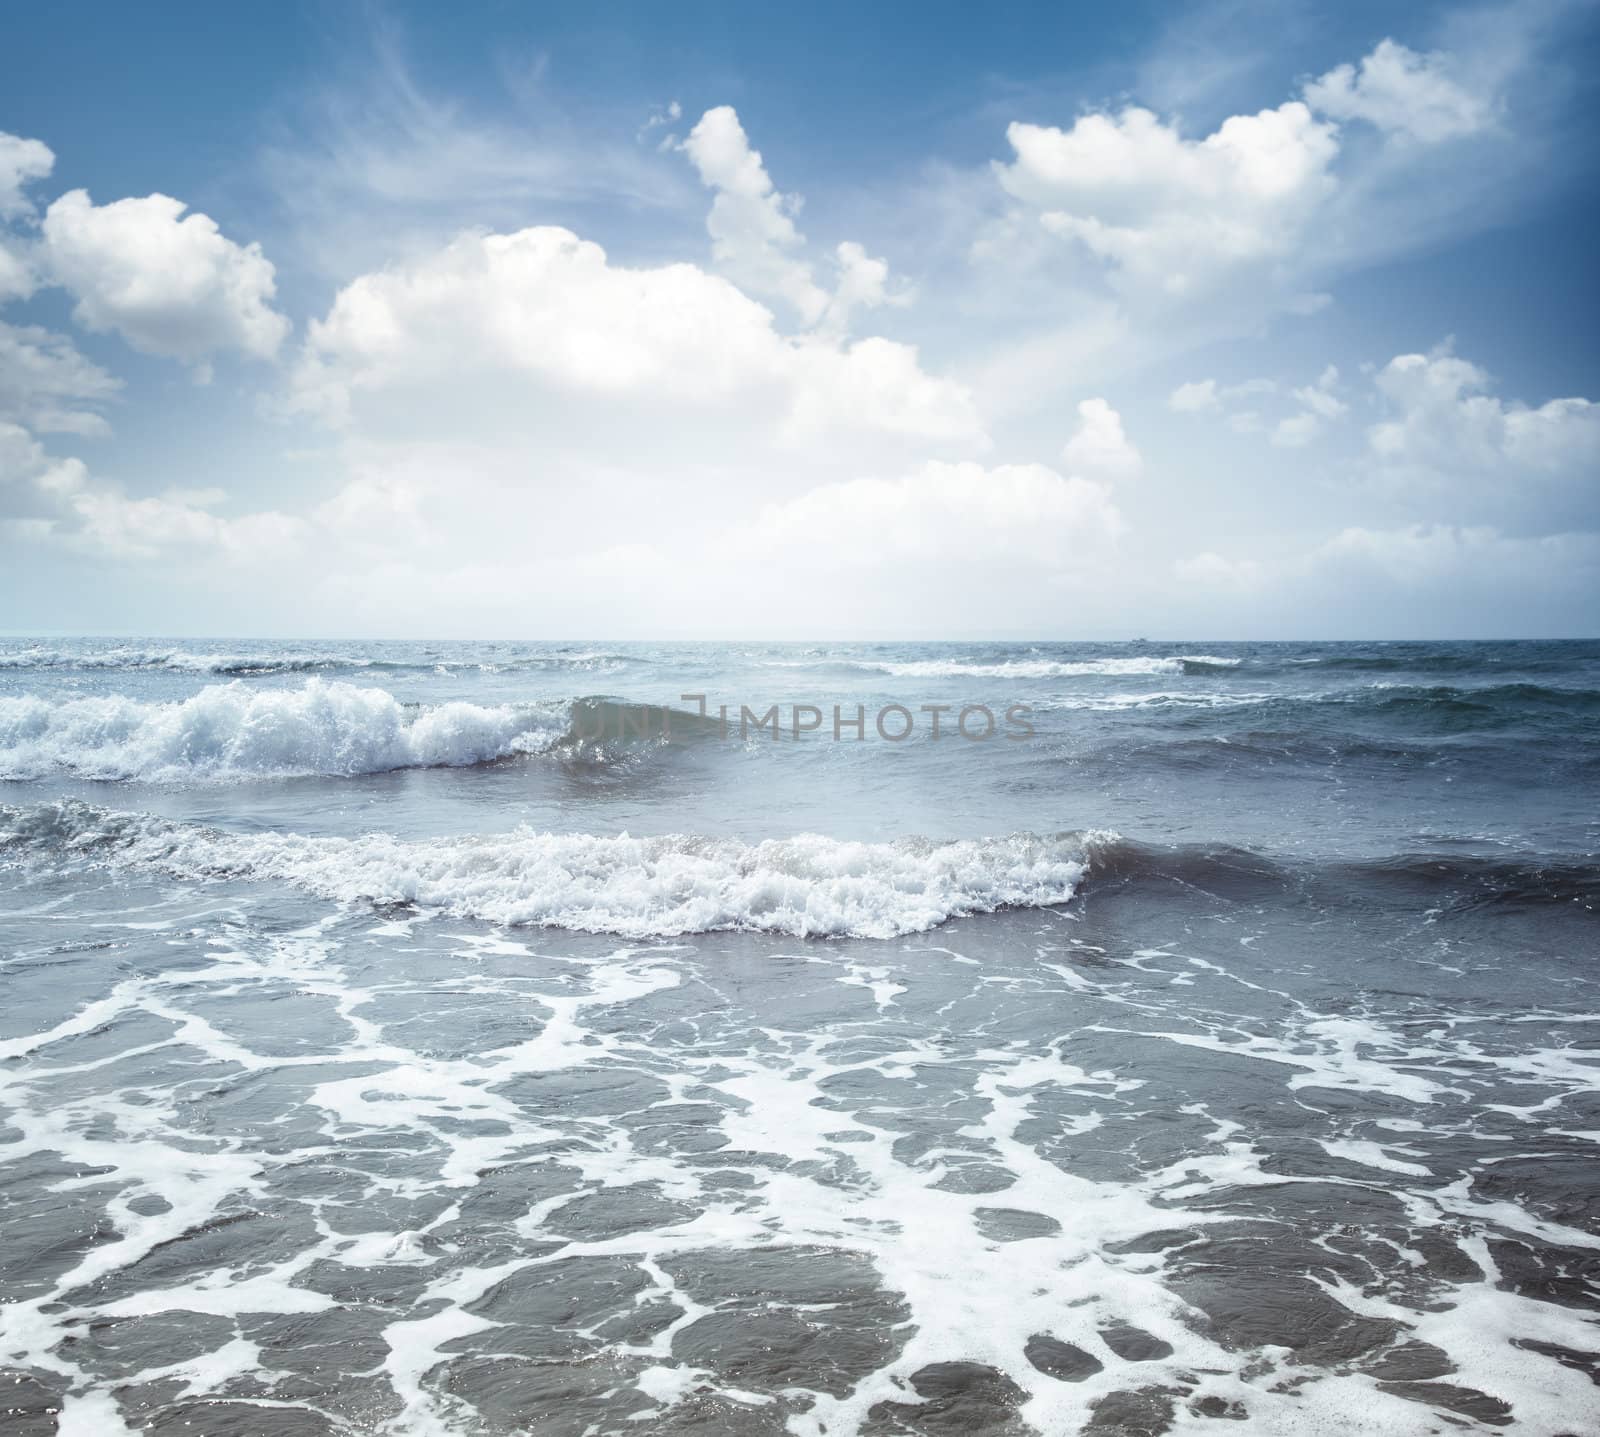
(901, 1038)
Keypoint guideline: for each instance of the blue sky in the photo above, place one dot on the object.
(1232, 320)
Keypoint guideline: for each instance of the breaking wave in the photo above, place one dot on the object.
(805, 887)
(255, 664)
(231, 731)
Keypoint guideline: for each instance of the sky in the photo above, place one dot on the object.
(1230, 320)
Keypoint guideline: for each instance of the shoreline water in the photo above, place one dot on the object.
(861, 1089)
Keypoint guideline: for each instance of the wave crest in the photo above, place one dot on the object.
(256, 664)
(232, 731)
(181, 661)
(807, 886)
(1050, 668)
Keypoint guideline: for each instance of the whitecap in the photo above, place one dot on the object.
(228, 731)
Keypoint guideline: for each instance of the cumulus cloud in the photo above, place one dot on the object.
(1321, 398)
(1198, 396)
(30, 480)
(1404, 93)
(502, 400)
(1448, 434)
(1424, 578)
(754, 239)
(529, 377)
(54, 500)
(753, 236)
(170, 284)
(1099, 444)
(107, 521)
(1446, 442)
(1210, 234)
(17, 277)
(1170, 215)
(47, 385)
(21, 162)
(1420, 556)
(861, 282)
(544, 314)
(1319, 404)
(1311, 406)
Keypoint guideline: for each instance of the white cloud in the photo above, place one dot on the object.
(1099, 444)
(46, 499)
(1419, 556)
(169, 284)
(862, 282)
(109, 522)
(1297, 431)
(508, 394)
(30, 480)
(660, 116)
(1172, 216)
(922, 552)
(1201, 236)
(47, 385)
(1447, 444)
(1402, 92)
(1315, 406)
(502, 396)
(1319, 404)
(1199, 396)
(21, 162)
(1449, 435)
(17, 277)
(1437, 579)
(875, 385)
(960, 513)
(753, 237)
(1321, 398)
(541, 316)
(1447, 416)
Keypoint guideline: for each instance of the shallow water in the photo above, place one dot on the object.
(361, 1079)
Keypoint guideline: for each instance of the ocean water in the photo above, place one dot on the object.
(479, 1038)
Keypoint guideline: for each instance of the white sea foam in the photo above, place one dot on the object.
(229, 731)
(258, 662)
(1046, 668)
(178, 660)
(1166, 698)
(806, 886)
(473, 1174)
